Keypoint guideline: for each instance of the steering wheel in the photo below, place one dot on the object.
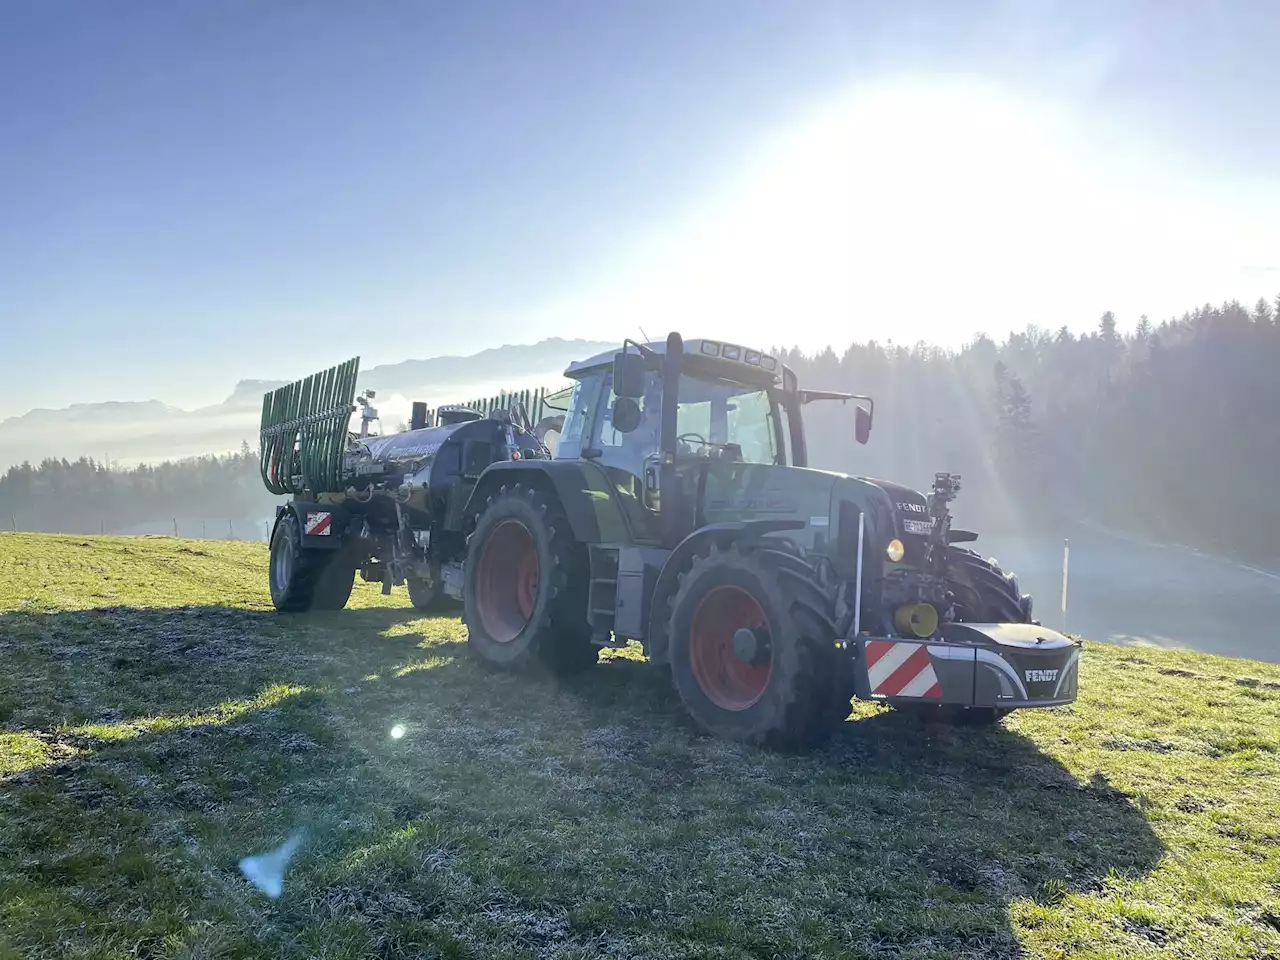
(696, 437)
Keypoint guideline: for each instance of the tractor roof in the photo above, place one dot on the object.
(718, 350)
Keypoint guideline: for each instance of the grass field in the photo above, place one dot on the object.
(158, 722)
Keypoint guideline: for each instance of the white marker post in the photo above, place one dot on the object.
(1066, 556)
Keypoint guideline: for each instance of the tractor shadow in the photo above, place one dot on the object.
(912, 813)
(152, 733)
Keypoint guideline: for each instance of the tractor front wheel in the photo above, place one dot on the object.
(984, 592)
(526, 582)
(753, 653)
(953, 715)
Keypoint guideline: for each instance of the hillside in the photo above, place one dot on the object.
(152, 430)
(158, 723)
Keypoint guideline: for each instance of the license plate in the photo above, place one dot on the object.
(921, 527)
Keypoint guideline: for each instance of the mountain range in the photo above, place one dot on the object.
(131, 432)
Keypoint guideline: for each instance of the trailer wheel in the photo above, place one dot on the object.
(336, 581)
(526, 585)
(303, 580)
(753, 653)
(428, 596)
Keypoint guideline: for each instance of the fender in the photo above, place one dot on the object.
(722, 534)
(584, 490)
(329, 534)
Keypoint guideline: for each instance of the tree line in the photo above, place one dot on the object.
(88, 496)
(1167, 431)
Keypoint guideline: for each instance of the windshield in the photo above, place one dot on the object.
(711, 413)
(719, 412)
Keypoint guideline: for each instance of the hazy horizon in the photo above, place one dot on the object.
(125, 433)
(199, 195)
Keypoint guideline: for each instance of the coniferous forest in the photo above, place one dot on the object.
(1168, 431)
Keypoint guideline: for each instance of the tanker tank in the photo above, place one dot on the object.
(419, 468)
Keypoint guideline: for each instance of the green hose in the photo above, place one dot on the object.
(303, 436)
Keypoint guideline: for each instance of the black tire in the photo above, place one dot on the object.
(333, 589)
(792, 697)
(525, 596)
(983, 591)
(303, 580)
(429, 597)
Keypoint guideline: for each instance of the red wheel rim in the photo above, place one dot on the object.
(506, 584)
(727, 681)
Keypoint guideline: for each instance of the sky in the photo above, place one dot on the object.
(192, 194)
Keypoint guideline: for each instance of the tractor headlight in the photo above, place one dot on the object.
(895, 551)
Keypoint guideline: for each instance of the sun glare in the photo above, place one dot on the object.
(929, 210)
(887, 195)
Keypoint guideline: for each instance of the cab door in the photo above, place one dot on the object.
(626, 456)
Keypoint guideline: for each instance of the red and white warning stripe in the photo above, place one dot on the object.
(317, 524)
(898, 669)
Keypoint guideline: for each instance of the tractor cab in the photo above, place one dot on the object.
(658, 416)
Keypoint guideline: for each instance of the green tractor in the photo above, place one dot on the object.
(678, 510)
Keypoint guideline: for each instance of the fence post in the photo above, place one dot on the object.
(175, 526)
(1066, 556)
(231, 530)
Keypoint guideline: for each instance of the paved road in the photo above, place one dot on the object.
(1126, 591)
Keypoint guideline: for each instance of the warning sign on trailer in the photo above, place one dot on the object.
(318, 523)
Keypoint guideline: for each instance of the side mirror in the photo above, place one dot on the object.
(628, 375)
(862, 424)
(625, 415)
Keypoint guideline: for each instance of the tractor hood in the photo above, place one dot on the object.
(826, 503)
(910, 508)
(753, 491)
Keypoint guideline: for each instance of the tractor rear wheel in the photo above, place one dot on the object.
(753, 653)
(526, 585)
(303, 580)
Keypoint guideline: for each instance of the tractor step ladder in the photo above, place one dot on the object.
(602, 596)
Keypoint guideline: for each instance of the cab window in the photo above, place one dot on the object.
(575, 419)
(642, 441)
